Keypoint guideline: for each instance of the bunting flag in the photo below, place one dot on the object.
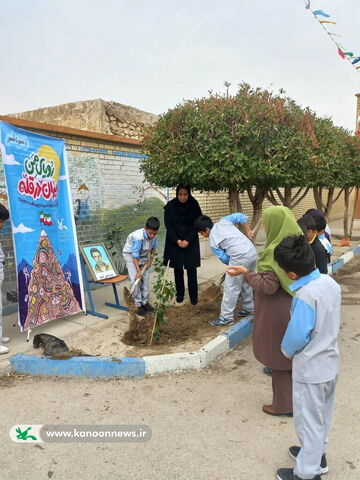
(342, 51)
(322, 13)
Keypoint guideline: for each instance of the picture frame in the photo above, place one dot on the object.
(98, 261)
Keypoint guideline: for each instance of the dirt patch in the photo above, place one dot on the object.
(182, 321)
(8, 380)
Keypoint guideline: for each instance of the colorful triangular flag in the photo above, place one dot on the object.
(341, 53)
(321, 12)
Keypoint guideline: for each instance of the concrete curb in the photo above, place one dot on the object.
(345, 258)
(96, 367)
(110, 367)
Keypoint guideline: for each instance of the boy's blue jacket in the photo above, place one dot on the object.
(139, 245)
(311, 336)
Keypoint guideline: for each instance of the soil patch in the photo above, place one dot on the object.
(182, 321)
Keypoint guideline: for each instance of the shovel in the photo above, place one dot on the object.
(137, 281)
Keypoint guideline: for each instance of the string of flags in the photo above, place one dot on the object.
(342, 51)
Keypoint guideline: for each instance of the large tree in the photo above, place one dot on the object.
(330, 156)
(350, 180)
(251, 141)
(254, 141)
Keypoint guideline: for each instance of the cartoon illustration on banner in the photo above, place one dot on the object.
(47, 258)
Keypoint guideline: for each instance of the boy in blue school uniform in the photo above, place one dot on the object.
(232, 248)
(138, 251)
(320, 223)
(311, 341)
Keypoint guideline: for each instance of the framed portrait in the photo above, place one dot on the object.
(98, 261)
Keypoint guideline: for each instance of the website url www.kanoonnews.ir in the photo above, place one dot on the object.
(80, 433)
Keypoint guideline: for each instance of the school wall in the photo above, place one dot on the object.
(217, 206)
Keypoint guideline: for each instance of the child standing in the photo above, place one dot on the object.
(232, 248)
(320, 223)
(308, 226)
(311, 341)
(138, 252)
(4, 215)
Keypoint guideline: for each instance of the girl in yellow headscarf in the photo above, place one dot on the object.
(272, 300)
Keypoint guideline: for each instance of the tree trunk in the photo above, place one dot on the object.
(347, 193)
(287, 197)
(234, 201)
(329, 202)
(257, 199)
(299, 196)
(330, 199)
(318, 198)
(271, 197)
(354, 210)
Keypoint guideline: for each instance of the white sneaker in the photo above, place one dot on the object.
(3, 350)
(5, 340)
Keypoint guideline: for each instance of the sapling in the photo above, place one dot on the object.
(164, 291)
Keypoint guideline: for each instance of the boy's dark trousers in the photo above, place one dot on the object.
(192, 283)
(312, 409)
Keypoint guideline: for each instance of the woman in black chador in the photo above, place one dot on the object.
(182, 241)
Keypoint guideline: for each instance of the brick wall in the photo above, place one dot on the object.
(216, 205)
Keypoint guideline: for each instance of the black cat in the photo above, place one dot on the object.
(51, 345)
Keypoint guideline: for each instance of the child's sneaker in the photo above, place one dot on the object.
(141, 311)
(288, 474)
(294, 452)
(3, 350)
(148, 308)
(222, 322)
(267, 371)
(5, 340)
(245, 313)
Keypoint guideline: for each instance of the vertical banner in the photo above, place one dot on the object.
(46, 253)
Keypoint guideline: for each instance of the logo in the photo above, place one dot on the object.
(25, 433)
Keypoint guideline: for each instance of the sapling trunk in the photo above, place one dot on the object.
(165, 292)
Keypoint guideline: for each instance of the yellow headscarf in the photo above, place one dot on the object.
(279, 222)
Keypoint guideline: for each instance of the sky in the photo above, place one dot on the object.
(152, 54)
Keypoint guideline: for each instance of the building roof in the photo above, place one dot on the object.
(47, 127)
(107, 117)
